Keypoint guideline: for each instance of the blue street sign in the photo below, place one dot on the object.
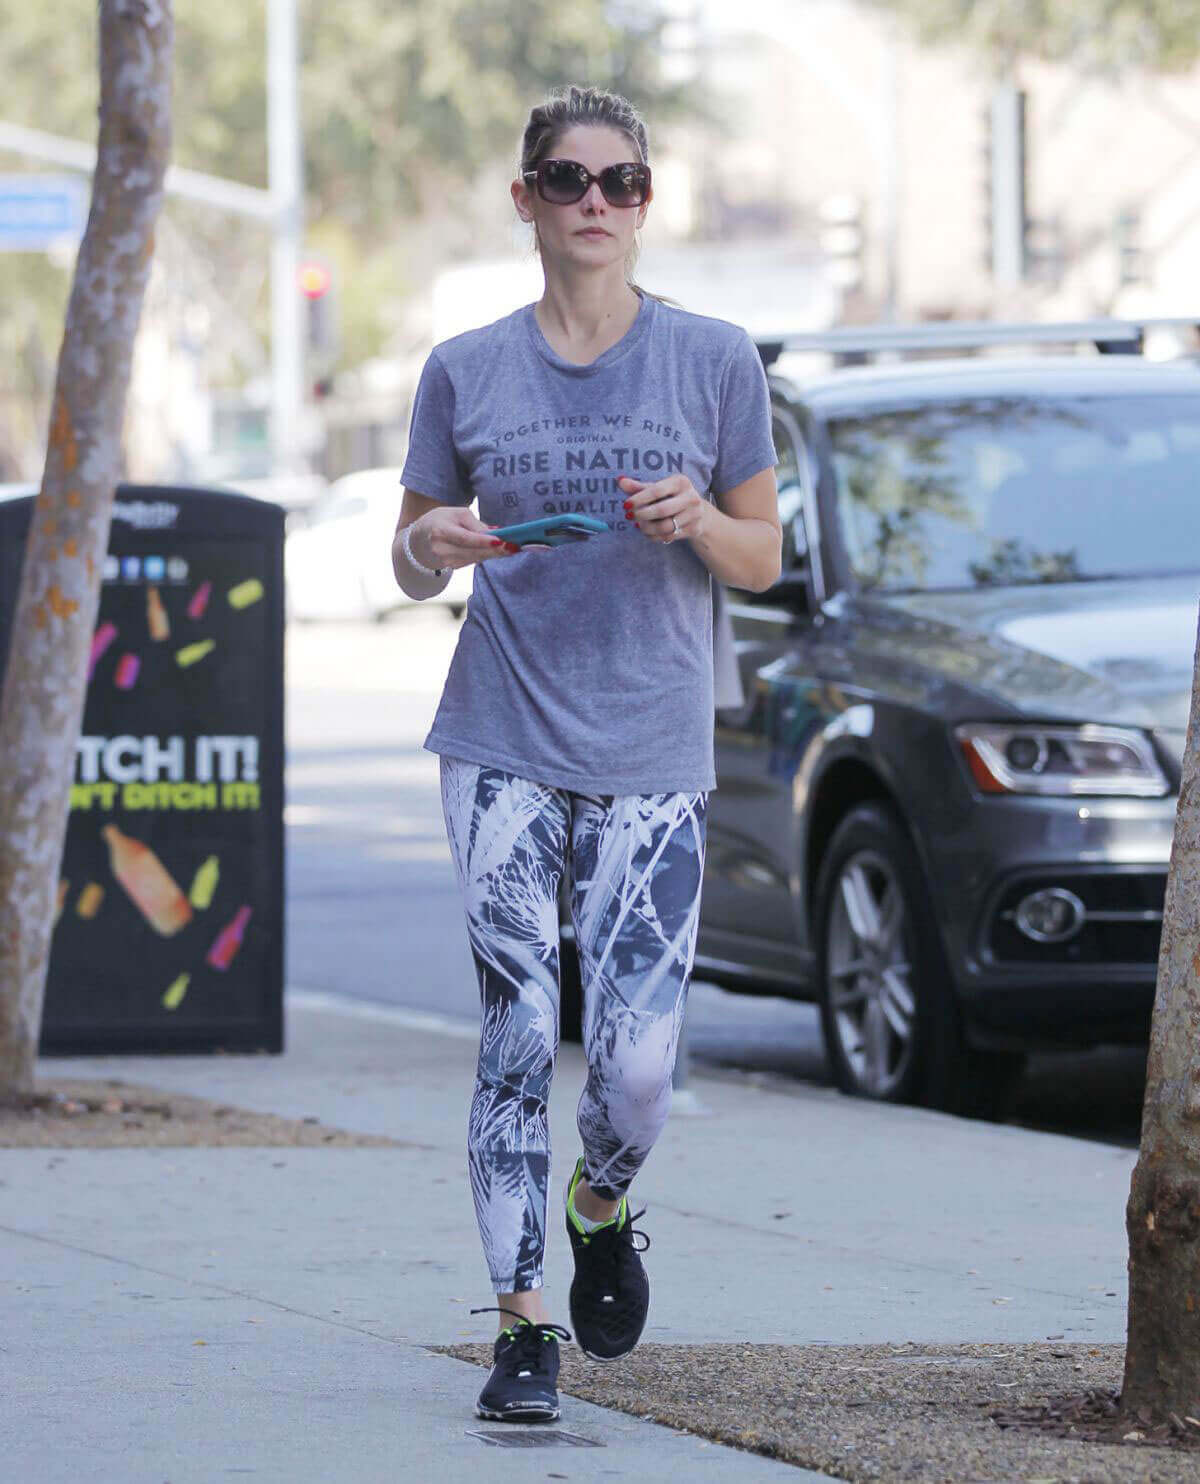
(41, 211)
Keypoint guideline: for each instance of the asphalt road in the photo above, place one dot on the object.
(373, 906)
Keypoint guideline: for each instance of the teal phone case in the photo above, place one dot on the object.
(551, 530)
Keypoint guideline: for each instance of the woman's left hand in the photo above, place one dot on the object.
(669, 510)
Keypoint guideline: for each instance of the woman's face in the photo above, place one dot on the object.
(588, 232)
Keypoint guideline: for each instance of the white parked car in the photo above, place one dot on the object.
(338, 561)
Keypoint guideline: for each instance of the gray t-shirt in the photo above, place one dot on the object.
(587, 667)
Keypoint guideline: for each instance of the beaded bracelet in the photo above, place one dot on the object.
(406, 547)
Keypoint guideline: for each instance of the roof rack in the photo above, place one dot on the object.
(1109, 336)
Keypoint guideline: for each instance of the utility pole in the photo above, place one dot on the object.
(889, 170)
(285, 181)
(1007, 185)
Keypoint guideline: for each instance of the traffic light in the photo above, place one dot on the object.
(321, 329)
(315, 278)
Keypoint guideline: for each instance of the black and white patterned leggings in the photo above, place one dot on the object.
(634, 865)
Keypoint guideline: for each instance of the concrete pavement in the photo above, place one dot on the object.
(174, 1316)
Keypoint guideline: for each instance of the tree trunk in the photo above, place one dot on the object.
(1162, 1357)
(41, 709)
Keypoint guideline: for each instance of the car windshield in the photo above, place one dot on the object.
(989, 491)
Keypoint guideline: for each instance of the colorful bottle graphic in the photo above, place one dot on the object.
(101, 639)
(175, 991)
(156, 615)
(90, 899)
(149, 884)
(229, 940)
(199, 600)
(204, 883)
(127, 672)
(191, 654)
(245, 593)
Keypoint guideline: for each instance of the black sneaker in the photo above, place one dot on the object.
(610, 1294)
(523, 1384)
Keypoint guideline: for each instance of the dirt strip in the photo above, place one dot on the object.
(920, 1413)
(110, 1114)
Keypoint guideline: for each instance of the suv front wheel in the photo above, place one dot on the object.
(891, 1021)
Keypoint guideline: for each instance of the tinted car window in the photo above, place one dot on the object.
(996, 490)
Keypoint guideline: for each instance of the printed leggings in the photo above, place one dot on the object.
(634, 865)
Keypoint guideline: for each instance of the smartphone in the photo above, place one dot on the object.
(552, 530)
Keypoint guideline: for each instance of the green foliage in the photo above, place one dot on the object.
(403, 105)
(1104, 35)
(392, 95)
(458, 79)
(1110, 36)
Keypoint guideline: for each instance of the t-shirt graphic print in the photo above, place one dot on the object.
(589, 666)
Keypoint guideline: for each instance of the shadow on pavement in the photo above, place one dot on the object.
(1088, 1094)
(1093, 1094)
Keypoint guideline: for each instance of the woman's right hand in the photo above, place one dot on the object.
(453, 536)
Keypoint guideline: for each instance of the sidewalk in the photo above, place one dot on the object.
(175, 1316)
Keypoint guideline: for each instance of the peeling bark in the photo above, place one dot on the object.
(1162, 1357)
(41, 709)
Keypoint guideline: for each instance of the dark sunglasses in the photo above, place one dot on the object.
(561, 182)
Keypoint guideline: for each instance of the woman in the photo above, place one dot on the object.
(576, 725)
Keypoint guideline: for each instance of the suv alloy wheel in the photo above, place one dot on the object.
(868, 973)
(891, 1021)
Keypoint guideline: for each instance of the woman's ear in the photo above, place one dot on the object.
(520, 195)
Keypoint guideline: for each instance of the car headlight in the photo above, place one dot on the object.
(1061, 760)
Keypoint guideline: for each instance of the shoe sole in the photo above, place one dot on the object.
(527, 1414)
(603, 1359)
(608, 1359)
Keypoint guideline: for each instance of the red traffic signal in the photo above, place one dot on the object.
(315, 279)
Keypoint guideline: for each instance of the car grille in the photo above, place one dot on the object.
(1122, 926)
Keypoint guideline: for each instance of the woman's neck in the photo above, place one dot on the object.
(583, 315)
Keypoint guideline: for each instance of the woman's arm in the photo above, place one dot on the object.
(408, 579)
(739, 540)
(442, 536)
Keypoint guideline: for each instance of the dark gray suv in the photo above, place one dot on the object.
(945, 808)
